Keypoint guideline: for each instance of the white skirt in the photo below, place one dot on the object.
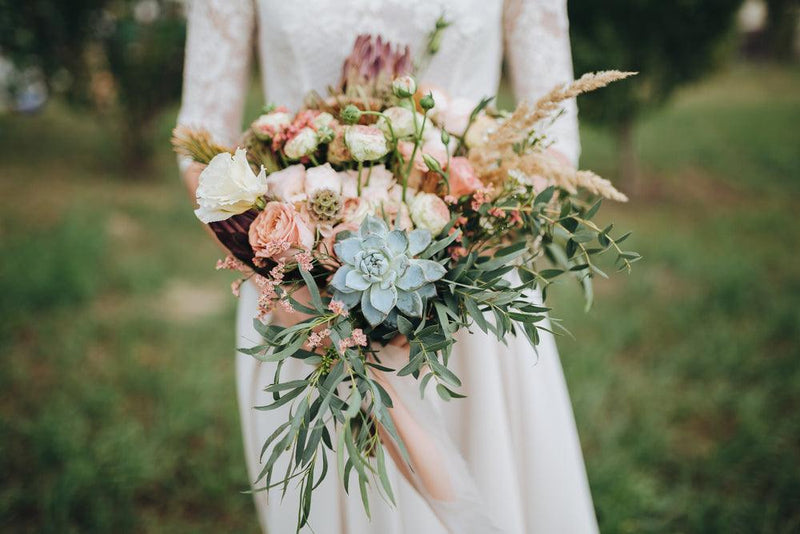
(515, 430)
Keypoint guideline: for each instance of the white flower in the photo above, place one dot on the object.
(455, 118)
(302, 144)
(322, 177)
(288, 185)
(404, 86)
(401, 121)
(228, 186)
(365, 143)
(430, 212)
(266, 126)
(478, 134)
(323, 119)
(376, 181)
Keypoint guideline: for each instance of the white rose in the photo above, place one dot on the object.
(266, 126)
(429, 211)
(228, 186)
(401, 121)
(322, 177)
(288, 185)
(365, 143)
(302, 144)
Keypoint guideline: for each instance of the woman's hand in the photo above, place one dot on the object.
(191, 179)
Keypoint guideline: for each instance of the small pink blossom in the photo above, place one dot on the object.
(236, 286)
(286, 305)
(316, 339)
(514, 217)
(480, 198)
(450, 199)
(359, 338)
(232, 264)
(304, 261)
(457, 252)
(497, 212)
(338, 308)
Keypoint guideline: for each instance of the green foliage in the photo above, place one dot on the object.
(668, 43)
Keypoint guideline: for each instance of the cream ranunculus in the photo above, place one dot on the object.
(288, 185)
(430, 212)
(322, 177)
(401, 121)
(228, 186)
(302, 144)
(365, 143)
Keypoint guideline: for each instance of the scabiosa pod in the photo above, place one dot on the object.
(381, 273)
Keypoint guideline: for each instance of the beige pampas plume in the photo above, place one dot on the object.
(497, 156)
(195, 144)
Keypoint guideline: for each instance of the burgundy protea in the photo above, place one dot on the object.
(373, 64)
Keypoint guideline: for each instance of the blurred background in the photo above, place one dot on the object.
(117, 399)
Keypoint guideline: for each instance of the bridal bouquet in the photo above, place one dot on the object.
(379, 211)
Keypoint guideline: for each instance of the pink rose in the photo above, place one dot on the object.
(463, 179)
(278, 232)
(288, 185)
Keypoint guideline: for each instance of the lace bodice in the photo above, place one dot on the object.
(301, 47)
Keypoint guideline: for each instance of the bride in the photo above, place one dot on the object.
(516, 461)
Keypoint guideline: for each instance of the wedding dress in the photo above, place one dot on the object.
(518, 449)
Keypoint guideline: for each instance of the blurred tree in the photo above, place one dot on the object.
(782, 22)
(144, 53)
(48, 37)
(121, 57)
(669, 43)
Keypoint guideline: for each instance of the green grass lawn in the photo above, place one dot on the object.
(117, 399)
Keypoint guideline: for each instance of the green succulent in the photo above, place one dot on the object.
(379, 271)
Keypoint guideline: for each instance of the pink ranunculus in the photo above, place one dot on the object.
(279, 231)
(287, 185)
(463, 179)
(419, 169)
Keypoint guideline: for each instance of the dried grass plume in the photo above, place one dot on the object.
(493, 160)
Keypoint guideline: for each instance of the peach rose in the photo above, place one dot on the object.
(463, 179)
(279, 231)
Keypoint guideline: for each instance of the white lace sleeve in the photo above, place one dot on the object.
(539, 57)
(219, 44)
